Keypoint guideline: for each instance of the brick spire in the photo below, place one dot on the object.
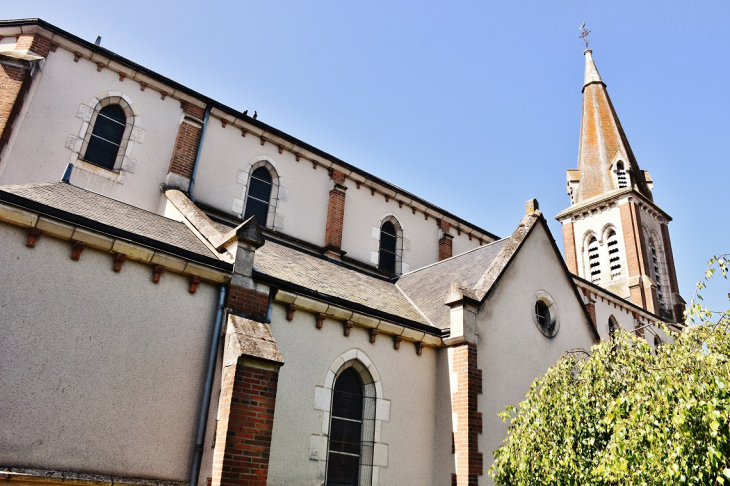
(603, 143)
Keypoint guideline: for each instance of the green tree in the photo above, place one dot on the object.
(627, 414)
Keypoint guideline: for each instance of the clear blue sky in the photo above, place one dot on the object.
(473, 105)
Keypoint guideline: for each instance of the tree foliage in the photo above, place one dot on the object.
(627, 413)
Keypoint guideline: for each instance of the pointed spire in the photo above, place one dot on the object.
(604, 148)
(591, 75)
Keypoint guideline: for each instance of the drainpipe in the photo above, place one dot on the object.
(197, 153)
(203, 420)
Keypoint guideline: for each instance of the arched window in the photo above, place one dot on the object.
(388, 242)
(259, 195)
(106, 138)
(621, 176)
(656, 269)
(594, 260)
(612, 325)
(614, 259)
(352, 426)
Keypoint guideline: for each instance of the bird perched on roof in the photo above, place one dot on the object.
(255, 114)
(245, 112)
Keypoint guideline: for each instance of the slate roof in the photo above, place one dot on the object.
(108, 212)
(332, 279)
(429, 286)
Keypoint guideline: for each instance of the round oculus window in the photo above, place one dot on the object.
(545, 315)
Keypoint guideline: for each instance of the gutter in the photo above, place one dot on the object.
(283, 284)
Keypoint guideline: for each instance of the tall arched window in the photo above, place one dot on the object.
(614, 259)
(621, 176)
(612, 325)
(105, 140)
(349, 461)
(388, 241)
(259, 195)
(594, 260)
(657, 273)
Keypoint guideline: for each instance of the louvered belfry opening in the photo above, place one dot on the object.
(657, 273)
(259, 196)
(594, 261)
(352, 430)
(621, 176)
(106, 137)
(613, 254)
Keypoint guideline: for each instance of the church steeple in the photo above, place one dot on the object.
(605, 160)
(614, 234)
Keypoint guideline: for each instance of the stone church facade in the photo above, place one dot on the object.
(192, 296)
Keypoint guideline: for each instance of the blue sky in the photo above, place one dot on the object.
(473, 105)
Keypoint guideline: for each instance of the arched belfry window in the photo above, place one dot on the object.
(614, 258)
(657, 270)
(352, 426)
(621, 176)
(259, 195)
(594, 260)
(106, 139)
(388, 246)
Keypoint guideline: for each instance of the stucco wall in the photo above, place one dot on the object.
(38, 152)
(407, 382)
(101, 371)
(512, 351)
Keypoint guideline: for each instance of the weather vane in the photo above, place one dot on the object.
(584, 33)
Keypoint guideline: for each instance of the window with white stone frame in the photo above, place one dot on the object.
(262, 193)
(353, 409)
(391, 245)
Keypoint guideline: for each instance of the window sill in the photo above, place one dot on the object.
(112, 175)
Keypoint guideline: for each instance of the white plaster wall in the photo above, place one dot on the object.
(407, 380)
(303, 204)
(512, 351)
(444, 461)
(101, 371)
(461, 243)
(38, 153)
(364, 212)
(605, 309)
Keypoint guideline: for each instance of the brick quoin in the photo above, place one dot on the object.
(243, 435)
(250, 303)
(571, 255)
(33, 43)
(14, 83)
(469, 461)
(335, 212)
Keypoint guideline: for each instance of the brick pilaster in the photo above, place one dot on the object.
(14, 83)
(247, 302)
(591, 307)
(335, 212)
(186, 147)
(571, 254)
(243, 436)
(464, 406)
(446, 240)
(636, 258)
(33, 44)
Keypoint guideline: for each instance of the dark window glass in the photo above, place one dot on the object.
(259, 193)
(106, 137)
(542, 313)
(612, 326)
(343, 467)
(388, 238)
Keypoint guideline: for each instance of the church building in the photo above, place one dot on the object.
(194, 297)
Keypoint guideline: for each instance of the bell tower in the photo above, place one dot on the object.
(614, 234)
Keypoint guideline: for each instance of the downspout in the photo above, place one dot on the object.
(205, 406)
(197, 153)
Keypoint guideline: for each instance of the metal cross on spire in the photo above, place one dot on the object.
(584, 33)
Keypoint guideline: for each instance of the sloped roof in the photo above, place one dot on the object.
(429, 286)
(330, 279)
(84, 207)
